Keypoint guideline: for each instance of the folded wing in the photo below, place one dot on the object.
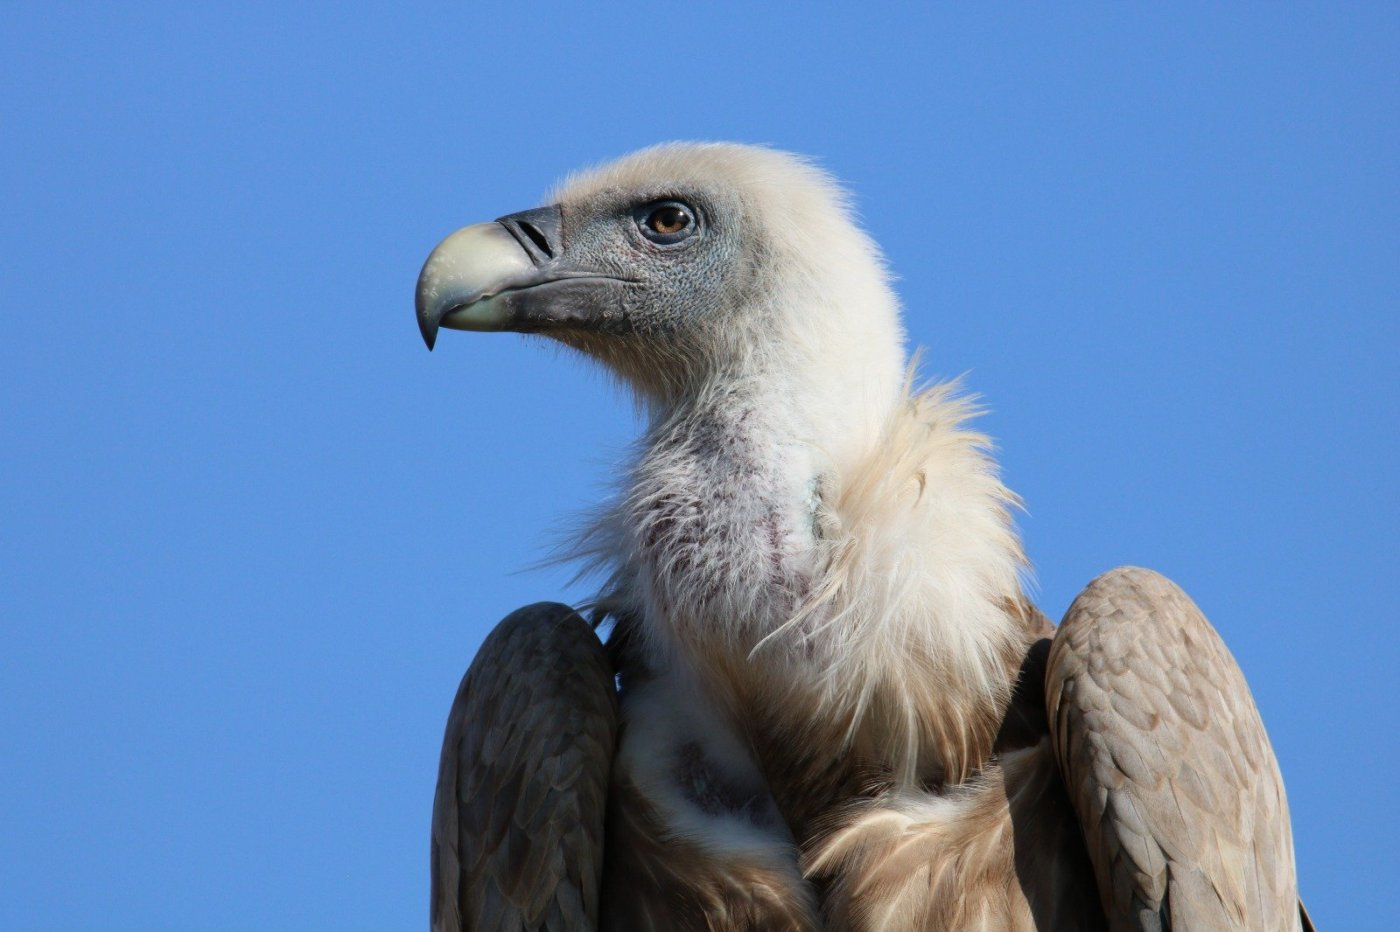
(522, 785)
(1167, 763)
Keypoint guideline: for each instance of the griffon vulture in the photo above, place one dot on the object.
(825, 701)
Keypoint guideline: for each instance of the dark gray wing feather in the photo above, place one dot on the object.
(522, 785)
(1167, 763)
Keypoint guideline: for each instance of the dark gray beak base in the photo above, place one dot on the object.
(512, 274)
(540, 232)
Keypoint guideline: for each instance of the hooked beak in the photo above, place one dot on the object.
(512, 274)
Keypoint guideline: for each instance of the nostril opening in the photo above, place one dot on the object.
(536, 237)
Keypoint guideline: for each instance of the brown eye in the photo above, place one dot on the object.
(668, 220)
(666, 223)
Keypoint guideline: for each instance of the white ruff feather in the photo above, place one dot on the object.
(915, 615)
(897, 622)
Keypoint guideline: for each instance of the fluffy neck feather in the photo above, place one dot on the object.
(869, 600)
(916, 625)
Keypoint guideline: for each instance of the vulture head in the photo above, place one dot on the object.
(686, 265)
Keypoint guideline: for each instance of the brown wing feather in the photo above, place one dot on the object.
(522, 785)
(1167, 763)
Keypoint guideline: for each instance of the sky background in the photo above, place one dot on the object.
(251, 532)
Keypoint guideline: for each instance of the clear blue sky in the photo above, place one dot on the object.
(251, 533)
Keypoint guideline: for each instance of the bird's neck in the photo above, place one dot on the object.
(769, 407)
(720, 516)
(834, 571)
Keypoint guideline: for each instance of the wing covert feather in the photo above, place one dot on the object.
(523, 780)
(1167, 763)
